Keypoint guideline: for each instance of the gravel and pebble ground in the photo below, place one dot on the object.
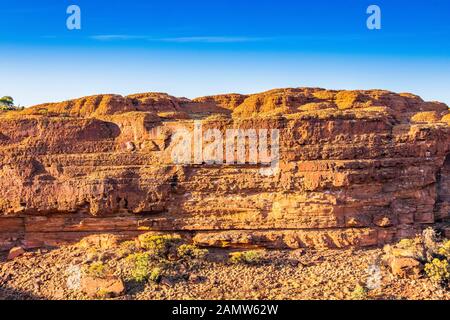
(298, 274)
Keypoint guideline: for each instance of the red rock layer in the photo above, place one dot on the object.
(357, 168)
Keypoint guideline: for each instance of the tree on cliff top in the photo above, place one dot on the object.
(7, 103)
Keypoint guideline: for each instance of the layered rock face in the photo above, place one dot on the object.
(356, 168)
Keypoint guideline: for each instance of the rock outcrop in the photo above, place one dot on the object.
(357, 168)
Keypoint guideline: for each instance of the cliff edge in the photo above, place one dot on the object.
(356, 168)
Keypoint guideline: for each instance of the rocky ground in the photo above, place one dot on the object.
(329, 274)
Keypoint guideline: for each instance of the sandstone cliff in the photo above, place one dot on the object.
(357, 168)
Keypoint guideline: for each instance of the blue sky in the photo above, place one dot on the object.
(194, 48)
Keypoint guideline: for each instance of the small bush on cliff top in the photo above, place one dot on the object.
(360, 293)
(411, 248)
(444, 249)
(438, 270)
(140, 266)
(191, 251)
(7, 104)
(102, 293)
(159, 245)
(247, 257)
(126, 248)
(97, 270)
(406, 243)
(155, 274)
(423, 247)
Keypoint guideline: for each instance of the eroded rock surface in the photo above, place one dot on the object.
(357, 168)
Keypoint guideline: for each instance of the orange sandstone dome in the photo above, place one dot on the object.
(277, 102)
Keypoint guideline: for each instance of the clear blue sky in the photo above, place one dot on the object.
(194, 48)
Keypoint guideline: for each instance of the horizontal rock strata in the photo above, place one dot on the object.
(357, 168)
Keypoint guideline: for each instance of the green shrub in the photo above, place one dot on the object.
(444, 249)
(102, 294)
(360, 293)
(191, 251)
(97, 270)
(412, 248)
(140, 266)
(155, 275)
(159, 245)
(7, 103)
(406, 243)
(438, 270)
(248, 257)
(126, 248)
(93, 254)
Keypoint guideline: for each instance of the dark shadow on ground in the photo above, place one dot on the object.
(14, 294)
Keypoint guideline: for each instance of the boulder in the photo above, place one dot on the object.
(107, 287)
(15, 252)
(406, 267)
